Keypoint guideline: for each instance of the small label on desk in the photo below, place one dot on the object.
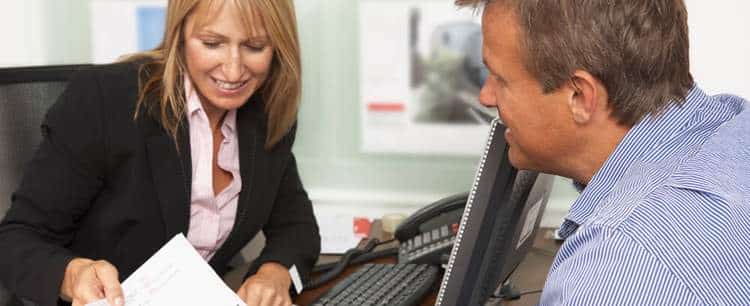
(295, 279)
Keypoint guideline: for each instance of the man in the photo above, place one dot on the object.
(601, 92)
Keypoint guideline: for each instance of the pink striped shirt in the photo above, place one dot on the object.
(211, 216)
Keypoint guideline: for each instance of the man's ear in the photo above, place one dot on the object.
(585, 97)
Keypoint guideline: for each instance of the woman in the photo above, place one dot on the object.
(193, 137)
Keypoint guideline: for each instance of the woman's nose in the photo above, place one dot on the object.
(232, 67)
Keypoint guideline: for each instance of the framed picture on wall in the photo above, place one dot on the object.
(421, 71)
(121, 27)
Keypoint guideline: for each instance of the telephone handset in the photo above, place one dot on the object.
(427, 235)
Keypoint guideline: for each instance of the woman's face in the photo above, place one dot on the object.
(225, 62)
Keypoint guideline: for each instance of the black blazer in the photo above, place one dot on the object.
(105, 186)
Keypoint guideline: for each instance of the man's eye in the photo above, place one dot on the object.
(211, 44)
(499, 80)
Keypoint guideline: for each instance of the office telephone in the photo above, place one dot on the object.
(427, 236)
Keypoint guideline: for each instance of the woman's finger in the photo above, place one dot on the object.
(257, 291)
(242, 292)
(252, 295)
(110, 281)
(279, 300)
(267, 296)
(87, 288)
(286, 300)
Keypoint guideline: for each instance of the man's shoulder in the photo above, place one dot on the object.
(604, 265)
(697, 222)
(721, 167)
(704, 198)
(713, 158)
(684, 240)
(686, 214)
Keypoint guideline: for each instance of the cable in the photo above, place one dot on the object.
(509, 292)
(530, 292)
(543, 251)
(385, 242)
(374, 255)
(364, 257)
(339, 266)
(357, 260)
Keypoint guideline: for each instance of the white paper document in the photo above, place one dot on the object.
(176, 275)
(336, 234)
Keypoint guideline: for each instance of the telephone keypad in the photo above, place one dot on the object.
(422, 247)
(436, 234)
(444, 231)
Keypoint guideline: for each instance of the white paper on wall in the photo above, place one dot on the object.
(421, 71)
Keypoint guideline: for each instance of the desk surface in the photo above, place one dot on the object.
(529, 276)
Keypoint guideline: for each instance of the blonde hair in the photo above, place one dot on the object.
(161, 88)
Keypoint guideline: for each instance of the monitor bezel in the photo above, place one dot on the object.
(486, 248)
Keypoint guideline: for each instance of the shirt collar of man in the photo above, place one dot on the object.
(195, 108)
(642, 142)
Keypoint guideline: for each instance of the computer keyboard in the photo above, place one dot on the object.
(382, 284)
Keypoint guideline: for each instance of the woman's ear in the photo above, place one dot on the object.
(585, 98)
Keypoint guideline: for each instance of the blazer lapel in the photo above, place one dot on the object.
(250, 125)
(171, 173)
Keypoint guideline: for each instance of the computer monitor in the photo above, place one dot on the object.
(497, 227)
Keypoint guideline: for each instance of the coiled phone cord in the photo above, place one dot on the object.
(350, 257)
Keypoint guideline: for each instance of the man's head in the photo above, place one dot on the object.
(561, 71)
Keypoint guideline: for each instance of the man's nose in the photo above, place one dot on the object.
(486, 97)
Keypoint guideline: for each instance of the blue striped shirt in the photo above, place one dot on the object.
(666, 219)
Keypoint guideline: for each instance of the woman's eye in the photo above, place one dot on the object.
(211, 44)
(255, 48)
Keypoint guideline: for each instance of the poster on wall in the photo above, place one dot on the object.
(121, 27)
(421, 71)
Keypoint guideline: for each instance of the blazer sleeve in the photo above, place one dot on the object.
(292, 236)
(61, 180)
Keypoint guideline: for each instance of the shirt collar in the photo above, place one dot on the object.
(230, 122)
(194, 107)
(191, 98)
(638, 144)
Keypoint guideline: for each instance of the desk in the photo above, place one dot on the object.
(529, 275)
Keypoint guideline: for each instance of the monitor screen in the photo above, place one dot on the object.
(497, 227)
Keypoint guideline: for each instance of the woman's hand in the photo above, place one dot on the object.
(87, 281)
(268, 287)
